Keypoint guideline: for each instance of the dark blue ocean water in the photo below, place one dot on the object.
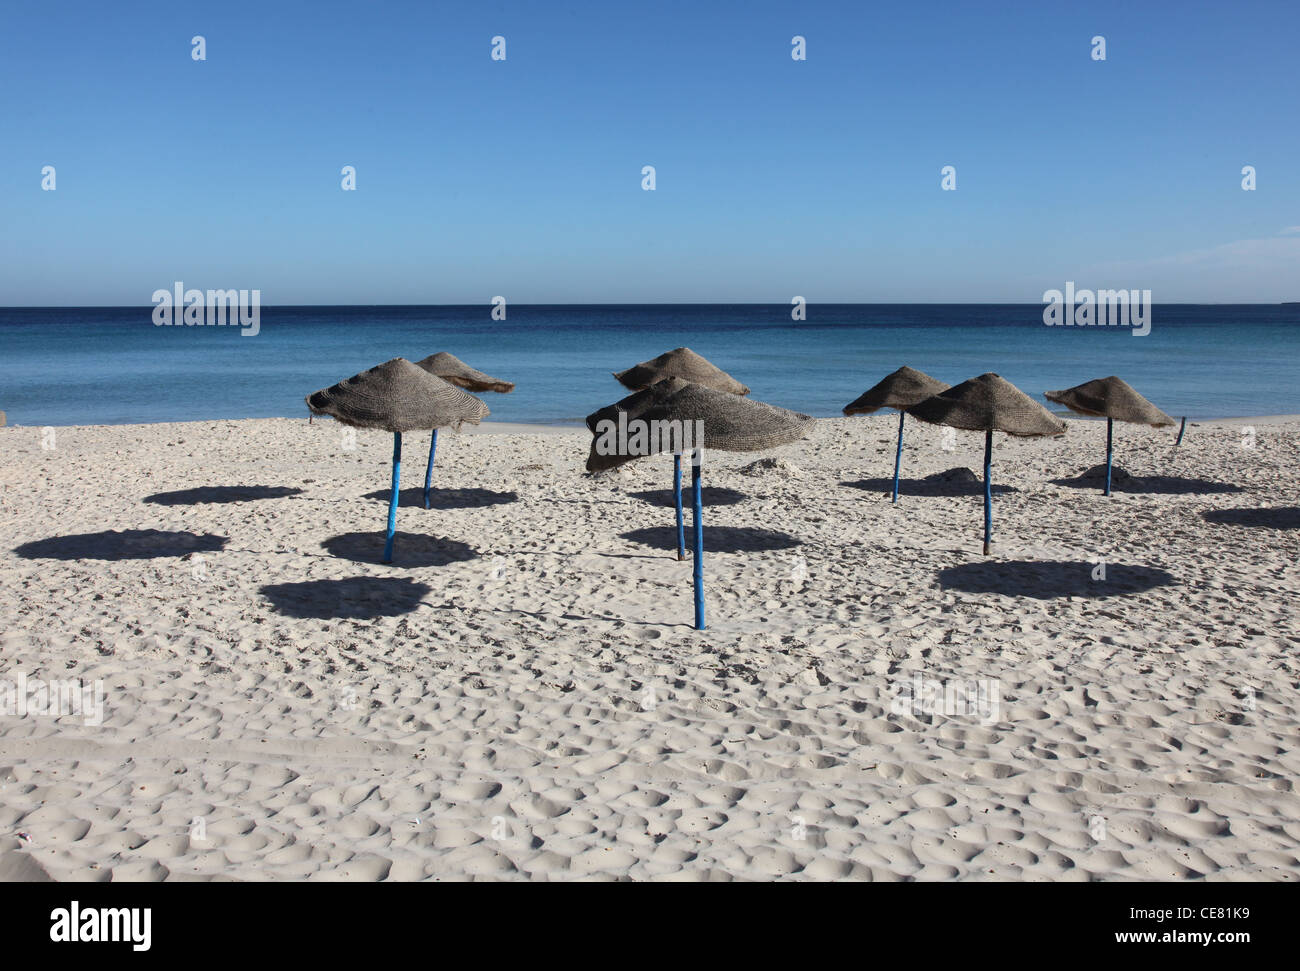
(110, 365)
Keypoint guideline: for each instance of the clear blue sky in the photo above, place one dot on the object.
(774, 177)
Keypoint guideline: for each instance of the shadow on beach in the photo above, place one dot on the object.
(357, 598)
(1163, 485)
(1046, 580)
(215, 494)
(1283, 517)
(446, 498)
(712, 496)
(129, 544)
(409, 549)
(717, 539)
(950, 483)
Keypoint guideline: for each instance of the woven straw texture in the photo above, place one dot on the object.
(989, 402)
(637, 403)
(730, 423)
(455, 371)
(397, 396)
(681, 363)
(902, 389)
(1110, 398)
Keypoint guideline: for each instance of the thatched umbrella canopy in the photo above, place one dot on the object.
(901, 389)
(452, 369)
(1115, 400)
(684, 363)
(676, 415)
(635, 404)
(988, 404)
(455, 371)
(689, 417)
(397, 397)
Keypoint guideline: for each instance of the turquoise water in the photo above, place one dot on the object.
(111, 365)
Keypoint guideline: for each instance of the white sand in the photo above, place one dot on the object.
(499, 721)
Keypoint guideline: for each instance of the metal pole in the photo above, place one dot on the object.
(677, 499)
(988, 490)
(1181, 428)
(1110, 444)
(898, 456)
(392, 503)
(428, 472)
(698, 501)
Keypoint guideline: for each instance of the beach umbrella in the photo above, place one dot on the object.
(455, 371)
(902, 389)
(677, 415)
(988, 403)
(1115, 400)
(396, 397)
(684, 364)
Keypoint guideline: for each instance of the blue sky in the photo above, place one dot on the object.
(775, 178)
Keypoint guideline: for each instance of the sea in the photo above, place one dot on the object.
(112, 365)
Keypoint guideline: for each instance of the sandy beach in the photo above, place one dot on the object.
(521, 694)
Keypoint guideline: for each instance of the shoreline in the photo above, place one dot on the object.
(490, 427)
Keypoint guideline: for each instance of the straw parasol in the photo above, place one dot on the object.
(455, 371)
(452, 369)
(684, 364)
(902, 389)
(988, 404)
(632, 407)
(1115, 400)
(677, 415)
(396, 397)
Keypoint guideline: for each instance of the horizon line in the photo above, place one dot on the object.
(674, 303)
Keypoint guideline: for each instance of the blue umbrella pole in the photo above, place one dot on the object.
(1181, 428)
(1110, 450)
(428, 472)
(698, 500)
(988, 490)
(677, 498)
(898, 456)
(392, 503)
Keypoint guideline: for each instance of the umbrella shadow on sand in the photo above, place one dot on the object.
(357, 598)
(447, 498)
(219, 494)
(1047, 580)
(1283, 517)
(712, 495)
(416, 549)
(953, 482)
(1164, 485)
(129, 544)
(717, 539)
